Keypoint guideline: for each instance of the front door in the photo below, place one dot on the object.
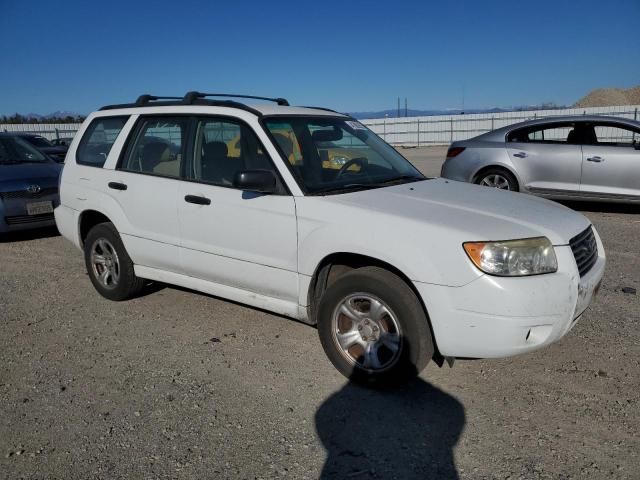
(232, 237)
(611, 162)
(546, 157)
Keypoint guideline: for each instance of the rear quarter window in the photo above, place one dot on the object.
(98, 139)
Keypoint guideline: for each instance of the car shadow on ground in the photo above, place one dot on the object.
(26, 235)
(403, 433)
(602, 207)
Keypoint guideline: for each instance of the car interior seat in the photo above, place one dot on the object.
(217, 166)
(572, 137)
(153, 153)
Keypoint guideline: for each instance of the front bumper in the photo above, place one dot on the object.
(504, 316)
(14, 217)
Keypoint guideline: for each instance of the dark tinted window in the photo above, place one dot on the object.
(223, 148)
(98, 140)
(157, 146)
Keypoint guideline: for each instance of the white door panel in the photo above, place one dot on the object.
(151, 232)
(240, 239)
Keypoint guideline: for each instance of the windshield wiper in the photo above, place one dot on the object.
(353, 187)
(400, 179)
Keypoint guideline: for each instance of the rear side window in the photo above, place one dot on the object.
(549, 133)
(157, 146)
(97, 141)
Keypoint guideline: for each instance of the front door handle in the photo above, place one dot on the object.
(198, 200)
(520, 154)
(595, 159)
(117, 186)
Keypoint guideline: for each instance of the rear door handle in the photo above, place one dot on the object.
(117, 186)
(520, 154)
(198, 200)
(595, 159)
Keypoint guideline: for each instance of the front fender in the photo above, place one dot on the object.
(418, 251)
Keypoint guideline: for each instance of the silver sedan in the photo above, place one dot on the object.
(576, 157)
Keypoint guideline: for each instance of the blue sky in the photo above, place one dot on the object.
(347, 55)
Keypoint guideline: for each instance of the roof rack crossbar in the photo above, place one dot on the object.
(146, 98)
(191, 96)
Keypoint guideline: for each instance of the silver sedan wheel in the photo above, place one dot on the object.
(495, 180)
(367, 332)
(105, 263)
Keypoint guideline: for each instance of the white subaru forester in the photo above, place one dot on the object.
(307, 213)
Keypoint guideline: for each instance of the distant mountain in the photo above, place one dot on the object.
(59, 116)
(426, 113)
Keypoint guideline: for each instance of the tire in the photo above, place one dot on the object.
(121, 282)
(497, 178)
(374, 298)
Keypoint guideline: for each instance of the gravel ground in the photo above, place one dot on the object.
(177, 384)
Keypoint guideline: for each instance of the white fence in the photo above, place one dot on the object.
(47, 130)
(444, 129)
(411, 131)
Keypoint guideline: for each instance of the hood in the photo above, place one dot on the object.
(475, 213)
(17, 176)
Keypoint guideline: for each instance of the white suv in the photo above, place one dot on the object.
(307, 213)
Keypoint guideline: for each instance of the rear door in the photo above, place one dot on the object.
(145, 184)
(611, 162)
(547, 157)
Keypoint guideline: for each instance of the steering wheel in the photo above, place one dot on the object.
(362, 161)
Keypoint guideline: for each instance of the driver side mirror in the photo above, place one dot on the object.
(262, 181)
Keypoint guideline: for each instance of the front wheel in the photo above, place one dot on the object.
(373, 327)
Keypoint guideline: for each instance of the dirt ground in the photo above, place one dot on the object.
(177, 384)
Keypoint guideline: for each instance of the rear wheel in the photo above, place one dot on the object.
(108, 264)
(497, 178)
(373, 327)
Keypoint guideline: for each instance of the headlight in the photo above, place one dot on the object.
(513, 258)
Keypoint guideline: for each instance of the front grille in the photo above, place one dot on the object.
(585, 250)
(24, 194)
(22, 219)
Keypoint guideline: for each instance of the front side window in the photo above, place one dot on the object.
(158, 145)
(223, 148)
(16, 150)
(97, 141)
(334, 155)
(616, 135)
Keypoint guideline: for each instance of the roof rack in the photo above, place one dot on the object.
(195, 98)
(325, 109)
(191, 96)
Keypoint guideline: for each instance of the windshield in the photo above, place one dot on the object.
(336, 155)
(16, 150)
(39, 141)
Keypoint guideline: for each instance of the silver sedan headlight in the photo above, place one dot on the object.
(513, 258)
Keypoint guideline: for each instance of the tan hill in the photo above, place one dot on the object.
(608, 97)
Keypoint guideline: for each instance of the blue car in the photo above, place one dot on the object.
(28, 185)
